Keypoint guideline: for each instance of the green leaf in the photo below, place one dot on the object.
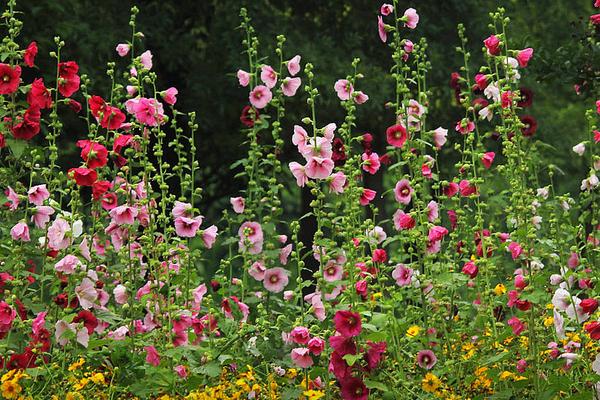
(16, 146)
(352, 358)
(376, 385)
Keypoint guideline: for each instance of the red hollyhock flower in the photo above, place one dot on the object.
(89, 320)
(108, 116)
(470, 269)
(30, 53)
(374, 353)
(354, 389)
(593, 328)
(83, 176)
(28, 126)
(589, 305)
(492, 45)
(247, 118)
(38, 95)
(68, 80)
(525, 97)
(2, 141)
(379, 255)
(74, 105)
(347, 323)
(120, 142)
(99, 188)
(530, 125)
(396, 135)
(94, 154)
(10, 77)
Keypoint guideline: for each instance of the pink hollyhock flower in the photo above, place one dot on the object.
(41, 216)
(426, 359)
(152, 356)
(319, 168)
(333, 271)
(440, 137)
(20, 232)
(520, 282)
(379, 255)
(488, 159)
(465, 126)
(209, 236)
(515, 250)
(403, 221)
(573, 260)
(299, 173)
(39, 323)
(481, 81)
(426, 171)
(437, 233)
(251, 237)
(521, 366)
(122, 49)
(260, 96)
(181, 371)
(371, 162)
(86, 293)
(293, 65)
(396, 135)
(432, 211)
(347, 323)
(120, 293)
(596, 136)
(288, 295)
(321, 147)
(300, 138)
(181, 209)
(68, 264)
(492, 44)
(187, 227)
(381, 29)
(402, 274)
(516, 325)
(412, 18)
(470, 269)
(360, 97)
(300, 335)
(403, 192)
(367, 196)
(170, 95)
(337, 182)
(289, 86)
(147, 111)
(598, 106)
(354, 389)
(301, 357)
(146, 59)
(268, 76)
(57, 234)
(316, 345)
(7, 316)
(466, 188)
(386, 9)
(595, 19)
(243, 77)
(257, 271)
(524, 56)
(13, 198)
(343, 88)
(275, 279)
(124, 215)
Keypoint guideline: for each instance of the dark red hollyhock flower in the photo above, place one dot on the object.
(30, 53)
(339, 152)
(10, 77)
(593, 328)
(28, 125)
(367, 143)
(342, 345)
(89, 320)
(83, 176)
(354, 389)
(38, 95)
(215, 285)
(589, 305)
(374, 353)
(99, 188)
(108, 116)
(339, 367)
(455, 81)
(94, 154)
(385, 159)
(525, 97)
(2, 141)
(347, 323)
(249, 116)
(121, 142)
(530, 125)
(21, 361)
(68, 80)
(74, 105)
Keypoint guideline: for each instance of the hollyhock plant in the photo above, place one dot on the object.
(275, 279)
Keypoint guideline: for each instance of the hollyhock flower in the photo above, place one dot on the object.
(347, 323)
(506, 99)
(90, 322)
(523, 56)
(403, 192)
(481, 81)
(573, 260)
(360, 97)
(250, 233)
(260, 96)
(379, 255)
(68, 264)
(426, 359)
(343, 88)
(249, 116)
(333, 271)
(488, 159)
(28, 125)
(370, 162)
(10, 77)
(299, 173)
(86, 293)
(152, 356)
(319, 168)
(301, 357)
(124, 214)
(290, 86)
(319, 147)
(275, 279)
(465, 126)
(68, 82)
(94, 154)
(187, 227)
(432, 211)
(367, 196)
(338, 151)
(337, 182)
(386, 9)
(293, 65)
(37, 194)
(596, 136)
(412, 18)
(530, 125)
(402, 274)
(268, 76)
(257, 271)
(170, 95)
(517, 326)
(20, 232)
(300, 138)
(396, 135)
(300, 335)
(354, 389)
(316, 345)
(30, 53)
(515, 250)
(83, 176)
(181, 209)
(437, 233)
(470, 269)
(41, 216)
(39, 96)
(590, 183)
(120, 294)
(439, 137)
(492, 44)
(466, 188)
(122, 49)
(579, 149)
(7, 316)
(146, 59)
(381, 29)
(243, 77)
(209, 236)
(147, 111)
(589, 306)
(595, 19)
(403, 221)
(375, 352)
(593, 329)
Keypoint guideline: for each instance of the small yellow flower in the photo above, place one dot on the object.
(548, 321)
(500, 289)
(10, 389)
(413, 331)
(98, 378)
(313, 394)
(291, 373)
(430, 383)
(77, 364)
(504, 375)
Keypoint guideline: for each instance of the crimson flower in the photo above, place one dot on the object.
(347, 323)
(10, 77)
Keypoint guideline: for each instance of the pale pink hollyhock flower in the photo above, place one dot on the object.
(198, 294)
(386, 9)
(590, 183)
(293, 65)
(403, 221)
(329, 131)
(317, 305)
(284, 253)
(412, 18)
(333, 271)
(426, 359)
(300, 335)
(575, 308)
(124, 214)
(86, 293)
(403, 192)
(301, 357)
(68, 264)
(516, 325)
(82, 336)
(37, 194)
(319, 168)
(133, 71)
(118, 334)
(440, 137)
(187, 227)
(57, 234)
(300, 138)
(209, 236)
(371, 162)
(573, 260)
(146, 59)
(432, 211)
(579, 149)
(375, 236)
(559, 324)
(561, 299)
(343, 88)
(381, 29)
(152, 356)
(288, 295)
(524, 56)
(299, 172)
(275, 279)
(41, 216)
(260, 96)
(170, 95)
(251, 237)
(289, 86)
(488, 159)
(181, 209)
(243, 77)
(122, 49)
(131, 91)
(20, 232)
(13, 198)
(360, 97)
(268, 76)
(319, 147)
(402, 274)
(120, 293)
(257, 271)
(337, 183)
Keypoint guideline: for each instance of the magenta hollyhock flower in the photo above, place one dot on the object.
(123, 49)
(465, 126)
(260, 96)
(146, 59)
(367, 196)
(437, 233)
(268, 76)
(375, 352)
(39, 323)
(426, 359)
(20, 232)
(470, 269)
(152, 356)
(386, 9)
(342, 345)
(243, 77)
(343, 88)
(379, 256)
(412, 18)
(147, 111)
(515, 250)
(275, 279)
(251, 237)
(370, 162)
(396, 135)
(347, 323)
(290, 86)
(521, 366)
(466, 188)
(300, 335)
(402, 274)
(7, 316)
(403, 221)
(492, 44)
(170, 95)
(524, 56)
(354, 389)
(123, 215)
(337, 182)
(488, 159)
(403, 192)
(316, 345)
(381, 29)
(319, 167)
(68, 264)
(293, 65)
(516, 325)
(299, 172)
(301, 357)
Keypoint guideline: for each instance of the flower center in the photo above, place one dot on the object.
(274, 279)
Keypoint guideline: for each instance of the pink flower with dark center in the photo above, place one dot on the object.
(275, 279)
(260, 96)
(147, 111)
(209, 236)
(319, 168)
(402, 274)
(268, 76)
(316, 345)
(465, 126)
(360, 97)
(466, 188)
(301, 357)
(403, 192)
(343, 88)
(333, 271)
(396, 135)
(470, 269)
(300, 335)
(412, 18)
(181, 209)
(187, 227)
(347, 323)
(426, 359)
(370, 162)
(289, 86)
(386, 9)
(293, 65)
(257, 271)
(437, 233)
(41, 216)
(354, 389)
